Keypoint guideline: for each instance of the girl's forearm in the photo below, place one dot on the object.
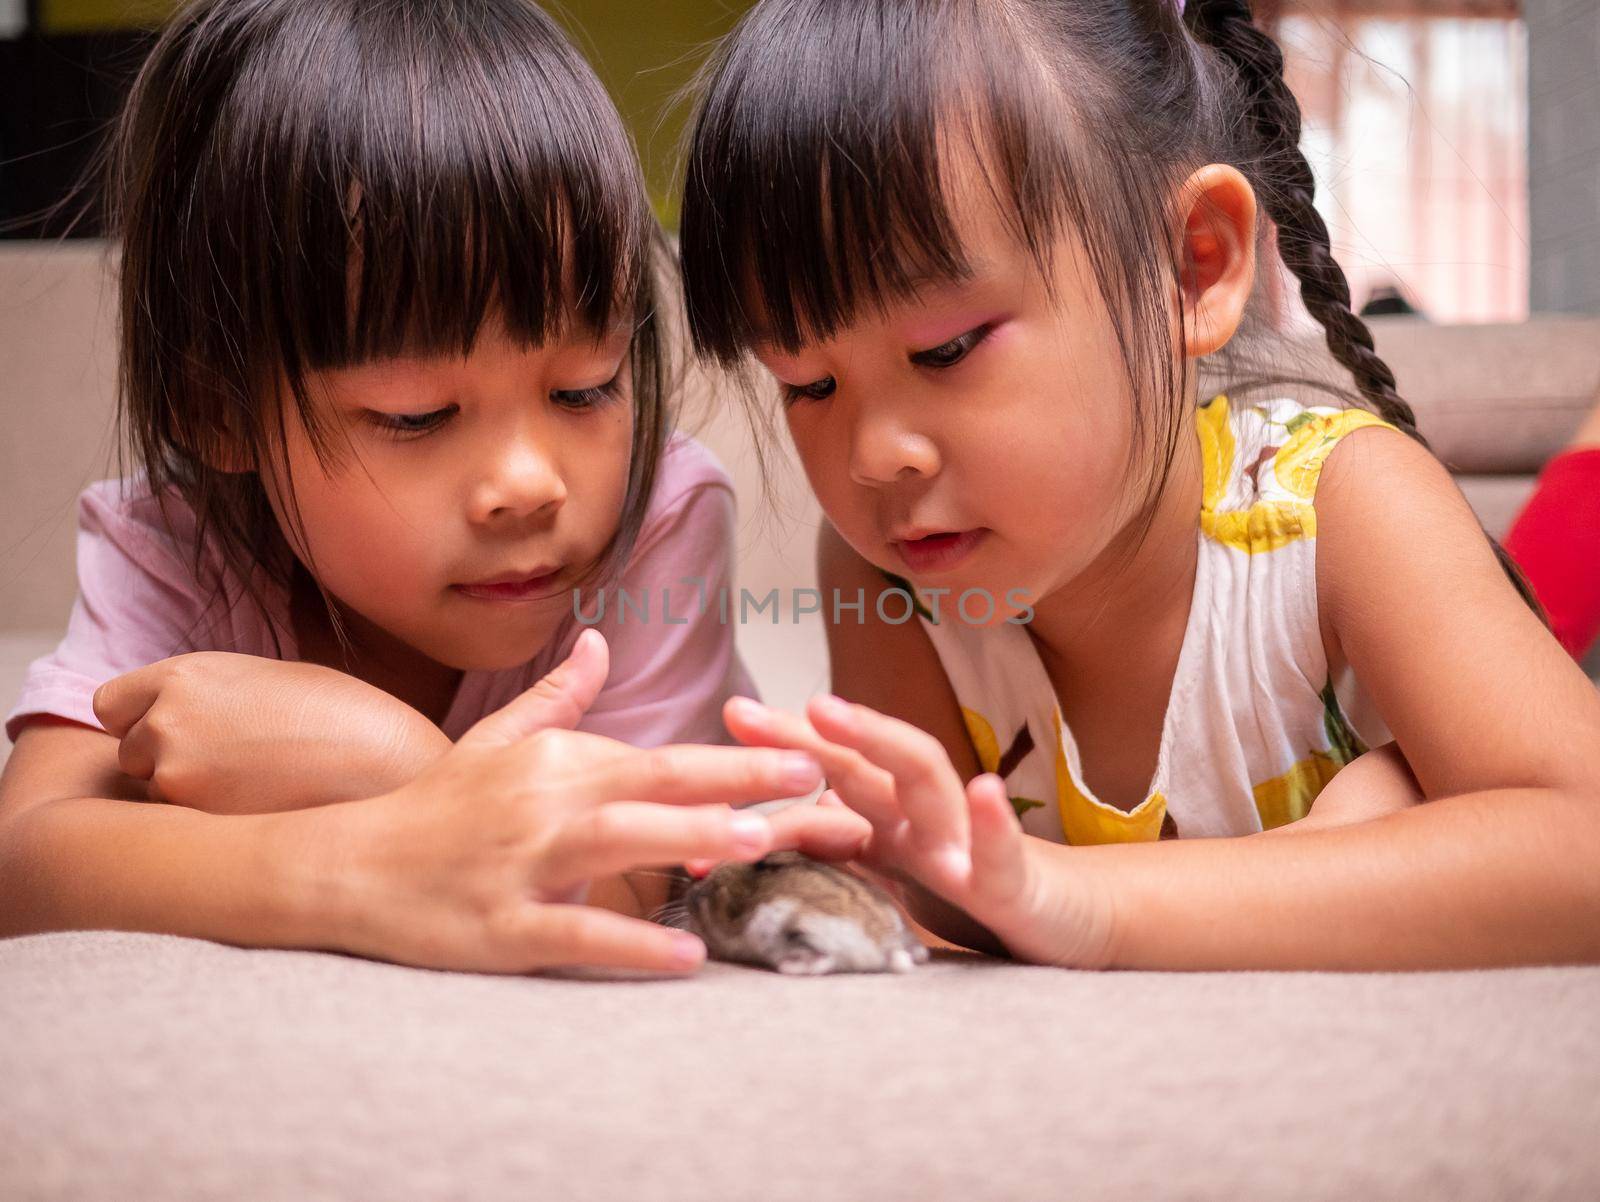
(1494, 878)
(321, 773)
(345, 773)
(95, 864)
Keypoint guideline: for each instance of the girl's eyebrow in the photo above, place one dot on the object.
(928, 281)
(587, 344)
(389, 370)
(920, 286)
(613, 341)
(978, 273)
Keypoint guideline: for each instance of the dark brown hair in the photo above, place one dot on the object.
(814, 184)
(298, 185)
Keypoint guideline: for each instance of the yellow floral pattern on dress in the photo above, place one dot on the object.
(983, 741)
(1287, 798)
(1216, 452)
(987, 747)
(1264, 526)
(1085, 820)
(1269, 521)
(1247, 742)
(1298, 462)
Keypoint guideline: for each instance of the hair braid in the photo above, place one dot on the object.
(1287, 187)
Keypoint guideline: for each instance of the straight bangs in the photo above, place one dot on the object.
(430, 174)
(818, 175)
(813, 181)
(303, 185)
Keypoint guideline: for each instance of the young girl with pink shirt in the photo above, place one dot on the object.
(394, 382)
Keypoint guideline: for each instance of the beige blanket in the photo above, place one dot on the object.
(151, 1068)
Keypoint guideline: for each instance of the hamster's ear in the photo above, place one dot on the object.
(1217, 255)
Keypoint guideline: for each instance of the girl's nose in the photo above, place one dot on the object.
(883, 451)
(521, 482)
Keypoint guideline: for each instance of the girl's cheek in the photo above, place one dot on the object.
(808, 443)
(826, 464)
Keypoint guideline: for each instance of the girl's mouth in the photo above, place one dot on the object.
(529, 588)
(939, 552)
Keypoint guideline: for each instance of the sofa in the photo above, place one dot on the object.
(148, 1067)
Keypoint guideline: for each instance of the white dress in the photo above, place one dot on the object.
(1255, 726)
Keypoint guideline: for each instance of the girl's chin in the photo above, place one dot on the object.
(483, 659)
(489, 650)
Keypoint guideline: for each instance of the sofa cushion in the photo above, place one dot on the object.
(1495, 399)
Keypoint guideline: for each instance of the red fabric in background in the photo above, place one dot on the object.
(1556, 540)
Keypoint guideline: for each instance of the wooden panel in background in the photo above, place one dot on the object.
(95, 16)
(647, 55)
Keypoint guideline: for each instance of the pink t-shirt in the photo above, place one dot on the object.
(671, 670)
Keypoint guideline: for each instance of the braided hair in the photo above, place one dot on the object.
(1286, 187)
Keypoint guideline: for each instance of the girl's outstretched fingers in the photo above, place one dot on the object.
(824, 831)
(997, 853)
(558, 701)
(690, 774)
(828, 830)
(927, 787)
(749, 721)
(869, 789)
(575, 936)
(614, 838)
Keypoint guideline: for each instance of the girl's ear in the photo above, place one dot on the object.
(1217, 255)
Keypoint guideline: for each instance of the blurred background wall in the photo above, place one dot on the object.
(1456, 145)
(64, 65)
(1456, 142)
(1564, 154)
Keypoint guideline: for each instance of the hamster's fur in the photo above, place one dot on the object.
(798, 915)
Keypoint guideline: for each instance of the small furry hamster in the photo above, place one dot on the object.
(798, 915)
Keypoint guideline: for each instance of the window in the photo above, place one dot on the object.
(1416, 129)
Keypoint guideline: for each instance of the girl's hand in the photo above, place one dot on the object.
(241, 734)
(482, 861)
(961, 843)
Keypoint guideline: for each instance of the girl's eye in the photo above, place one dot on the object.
(950, 353)
(817, 390)
(580, 399)
(403, 425)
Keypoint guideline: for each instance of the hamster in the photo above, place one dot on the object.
(799, 916)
